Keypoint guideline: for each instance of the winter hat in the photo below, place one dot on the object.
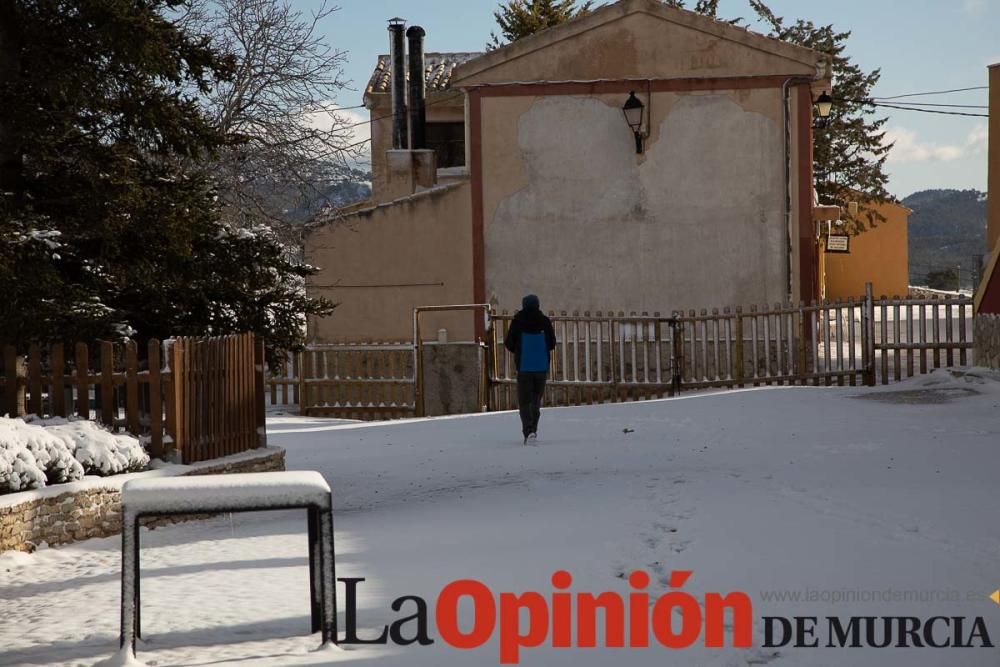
(530, 302)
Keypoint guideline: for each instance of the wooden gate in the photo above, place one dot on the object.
(217, 395)
(915, 336)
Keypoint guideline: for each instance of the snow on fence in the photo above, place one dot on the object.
(352, 381)
(203, 397)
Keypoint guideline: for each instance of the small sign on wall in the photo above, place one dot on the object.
(838, 243)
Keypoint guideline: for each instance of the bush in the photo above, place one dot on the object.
(54, 451)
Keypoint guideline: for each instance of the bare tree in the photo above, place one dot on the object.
(288, 142)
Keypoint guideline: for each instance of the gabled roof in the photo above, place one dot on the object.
(655, 9)
(438, 68)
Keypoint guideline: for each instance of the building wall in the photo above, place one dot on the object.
(440, 109)
(879, 256)
(624, 41)
(571, 213)
(988, 294)
(986, 337)
(380, 263)
(993, 183)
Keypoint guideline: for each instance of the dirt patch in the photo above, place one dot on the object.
(919, 396)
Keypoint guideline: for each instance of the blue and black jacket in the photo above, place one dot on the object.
(531, 338)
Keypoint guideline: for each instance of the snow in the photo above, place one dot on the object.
(38, 452)
(234, 492)
(158, 468)
(31, 456)
(101, 452)
(875, 502)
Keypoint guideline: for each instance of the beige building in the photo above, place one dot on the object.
(551, 194)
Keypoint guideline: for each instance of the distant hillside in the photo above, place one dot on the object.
(355, 187)
(947, 229)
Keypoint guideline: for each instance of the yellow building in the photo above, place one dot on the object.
(879, 256)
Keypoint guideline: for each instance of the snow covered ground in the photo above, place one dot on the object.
(875, 502)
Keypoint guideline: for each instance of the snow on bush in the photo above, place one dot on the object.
(34, 457)
(101, 452)
(53, 451)
(18, 468)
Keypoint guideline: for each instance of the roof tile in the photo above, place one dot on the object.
(438, 68)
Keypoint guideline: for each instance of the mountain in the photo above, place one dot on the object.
(357, 185)
(947, 230)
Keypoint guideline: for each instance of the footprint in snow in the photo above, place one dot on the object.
(762, 657)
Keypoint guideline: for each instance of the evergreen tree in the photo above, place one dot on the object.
(520, 18)
(943, 279)
(850, 151)
(107, 225)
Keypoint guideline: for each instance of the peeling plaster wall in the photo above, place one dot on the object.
(573, 214)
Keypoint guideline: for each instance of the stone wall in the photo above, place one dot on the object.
(452, 378)
(95, 510)
(986, 334)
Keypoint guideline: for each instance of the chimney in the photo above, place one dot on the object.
(397, 82)
(418, 114)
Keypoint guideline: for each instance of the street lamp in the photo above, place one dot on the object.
(823, 106)
(633, 110)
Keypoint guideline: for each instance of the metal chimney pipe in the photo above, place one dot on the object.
(397, 82)
(418, 90)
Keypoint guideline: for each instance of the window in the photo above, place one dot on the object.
(448, 139)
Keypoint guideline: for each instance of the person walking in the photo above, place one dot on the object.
(530, 338)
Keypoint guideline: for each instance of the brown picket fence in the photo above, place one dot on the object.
(370, 381)
(201, 397)
(613, 356)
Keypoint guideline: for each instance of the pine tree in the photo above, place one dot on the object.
(849, 153)
(108, 226)
(520, 18)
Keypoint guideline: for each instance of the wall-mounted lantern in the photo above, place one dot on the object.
(822, 107)
(633, 110)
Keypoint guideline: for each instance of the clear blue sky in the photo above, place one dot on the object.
(920, 45)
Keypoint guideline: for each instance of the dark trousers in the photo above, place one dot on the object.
(530, 387)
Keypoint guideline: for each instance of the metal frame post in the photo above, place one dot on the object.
(322, 578)
(418, 345)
